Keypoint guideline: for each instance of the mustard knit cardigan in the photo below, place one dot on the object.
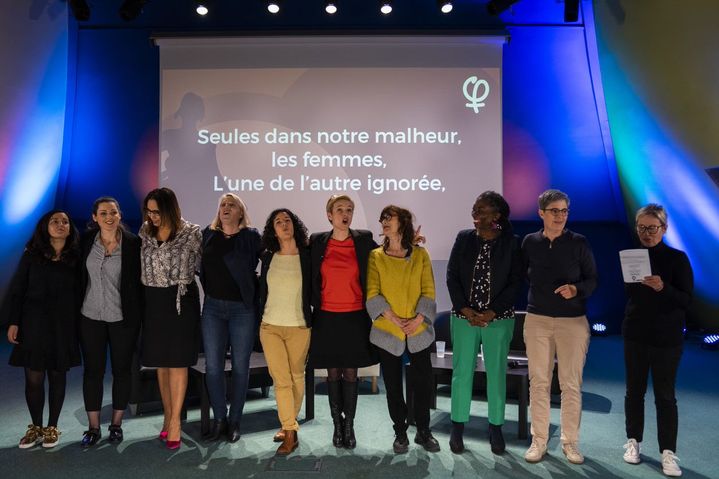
(405, 285)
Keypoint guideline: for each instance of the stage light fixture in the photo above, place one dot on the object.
(331, 7)
(599, 329)
(385, 6)
(131, 9)
(495, 7)
(571, 10)
(711, 341)
(202, 8)
(445, 6)
(80, 10)
(273, 6)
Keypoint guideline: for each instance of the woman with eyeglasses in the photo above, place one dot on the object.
(230, 253)
(341, 326)
(110, 315)
(41, 311)
(483, 276)
(653, 331)
(170, 332)
(562, 275)
(401, 302)
(285, 305)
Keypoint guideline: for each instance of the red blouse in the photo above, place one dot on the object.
(341, 288)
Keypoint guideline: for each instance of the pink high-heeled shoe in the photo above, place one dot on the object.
(172, 445)
(163, 436)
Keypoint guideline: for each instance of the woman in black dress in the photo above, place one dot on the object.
(341, 325)
(170, 338)
(42, 314)
(110, 314)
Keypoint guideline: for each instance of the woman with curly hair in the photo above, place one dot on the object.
(286, 316)
(42, 316)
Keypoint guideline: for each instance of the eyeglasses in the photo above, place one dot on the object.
(557, 211)
(386, 217)
(651, 229)
(152, 212)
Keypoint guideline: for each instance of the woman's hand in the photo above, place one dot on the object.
(12, 334)
(389, 314)
(655, 282)
(418, 237)
(411, 325)
(567, 291)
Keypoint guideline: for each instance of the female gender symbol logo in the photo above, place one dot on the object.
(475, 102)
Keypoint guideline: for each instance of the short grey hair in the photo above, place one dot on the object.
(550, 196)
(655, 210)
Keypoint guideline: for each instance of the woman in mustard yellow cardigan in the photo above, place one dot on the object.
(401, 302)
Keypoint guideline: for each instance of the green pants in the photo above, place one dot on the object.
(495, 339)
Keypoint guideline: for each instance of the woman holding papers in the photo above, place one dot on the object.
(653, 336)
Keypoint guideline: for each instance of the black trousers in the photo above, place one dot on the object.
(639, 360)
(95, 336)
(392, 367)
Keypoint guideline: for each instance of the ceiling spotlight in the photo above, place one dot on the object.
(273, 6)
(202, 9)
(80, 10)
(331, 7)
(131, 9)
(445, 6)
(495, 7)
(385, 7)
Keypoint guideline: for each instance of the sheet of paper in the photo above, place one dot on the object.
(635, 265)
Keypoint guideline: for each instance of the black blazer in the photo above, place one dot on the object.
(241, 262)
(306, 285)
(506, 271)
(131, 292)
(364, 243)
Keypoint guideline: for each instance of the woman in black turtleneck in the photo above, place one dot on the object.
(653, 336)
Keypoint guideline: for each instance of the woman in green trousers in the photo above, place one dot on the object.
(483, 277)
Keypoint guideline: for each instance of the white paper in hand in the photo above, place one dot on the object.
(635, 265)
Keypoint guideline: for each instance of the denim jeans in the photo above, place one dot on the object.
(223, 322)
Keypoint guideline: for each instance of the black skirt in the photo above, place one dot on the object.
(341, 340)
(170, 340)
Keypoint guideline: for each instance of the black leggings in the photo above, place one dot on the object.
(35, 394)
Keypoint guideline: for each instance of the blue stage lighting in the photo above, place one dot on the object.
(711, 341)
(599, 328)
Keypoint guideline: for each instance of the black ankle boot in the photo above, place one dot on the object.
(496, 439)
(425, 439)
(456, 443)
(218, 429)
(334, 394)
(349, 393)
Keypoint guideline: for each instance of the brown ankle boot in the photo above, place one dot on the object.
(279, 436)
(289, 444)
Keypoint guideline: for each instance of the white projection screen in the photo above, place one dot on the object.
(288, 121)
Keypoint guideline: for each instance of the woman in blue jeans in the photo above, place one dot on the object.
(230, 252)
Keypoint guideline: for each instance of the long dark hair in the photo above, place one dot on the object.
(92, 224)
(39, 243)
(500, 205)
(269, 238)
(406, 228)
(169, 211)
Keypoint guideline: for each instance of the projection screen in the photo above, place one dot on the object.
(289, 121)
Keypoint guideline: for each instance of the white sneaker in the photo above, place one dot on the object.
(669, 464)
(631, 452)
(571, 450)
(536, 452)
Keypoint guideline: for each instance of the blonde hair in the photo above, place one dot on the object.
(244, 221)
(654, 210)
(334, 199)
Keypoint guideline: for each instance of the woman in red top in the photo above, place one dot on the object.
(340, 332)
